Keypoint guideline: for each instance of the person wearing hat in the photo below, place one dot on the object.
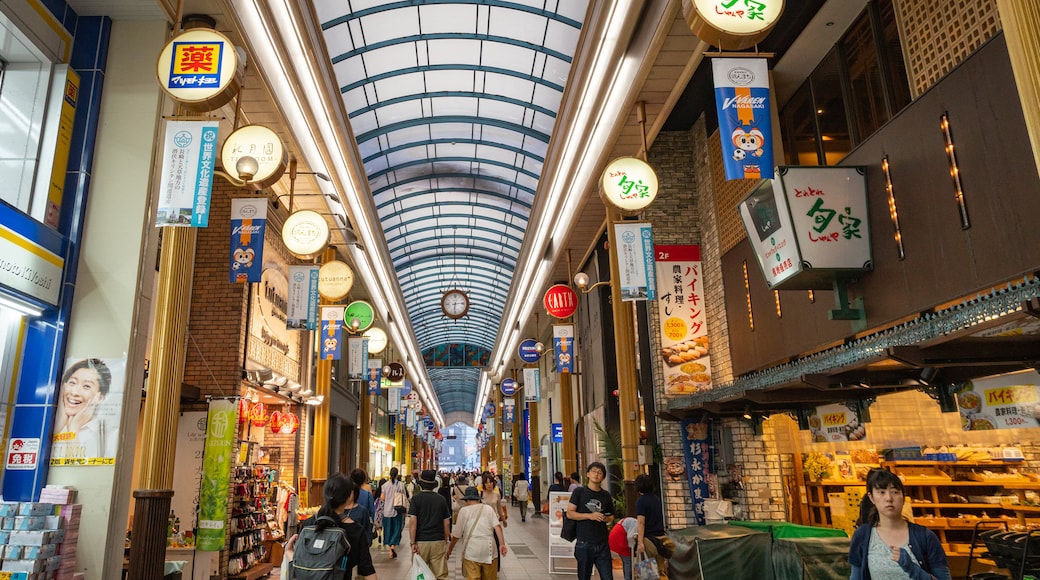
(478, 527)
(429, 524)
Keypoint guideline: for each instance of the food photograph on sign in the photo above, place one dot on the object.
(685, 344)
(835, 423)
(1005, 402)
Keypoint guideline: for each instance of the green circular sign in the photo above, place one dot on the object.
(362, 311)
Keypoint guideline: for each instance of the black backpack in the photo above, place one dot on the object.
(320, 555)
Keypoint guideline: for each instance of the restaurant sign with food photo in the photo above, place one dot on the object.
(681, 312)
(1009, 401)
(832, 423)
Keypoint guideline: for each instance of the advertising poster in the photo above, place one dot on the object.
(835, 423)
(189, 155)
(248, 221)
(1005, 402)
(635, 242)
(357, 358)
(745, 128)
(216, 474)
(86, 423)
(191, 445)
(302, 309)
(375, 376)
(558, 547)
(697, 453)
(563, 347)
(532, 385)
(684, 323)
(330, 340)
(509, 411)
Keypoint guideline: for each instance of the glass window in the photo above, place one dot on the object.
(799, 129)
(829, 101)
(892, 56)
(864, 70)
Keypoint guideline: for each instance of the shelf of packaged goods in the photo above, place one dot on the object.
(927, 463)
(962, 505)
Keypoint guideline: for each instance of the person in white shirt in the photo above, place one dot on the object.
(521, 493)
(477, 527)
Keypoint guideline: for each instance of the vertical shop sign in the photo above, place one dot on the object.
(216, 475)
(835, 423)
(684, 322)
(86, 424)
(375, 377)
(532, 385)
(357, 355)
(62, 146)
(189, 154)
(635, 255)
(1004, 402)
(697, 451)
(303, 298)
(563, 347)
(745, 127)
(509, 411)
(557, 432)
(393, 399)
(191, 446)
(331, 332)
(248, 221)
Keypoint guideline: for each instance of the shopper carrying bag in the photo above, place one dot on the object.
(477, 526)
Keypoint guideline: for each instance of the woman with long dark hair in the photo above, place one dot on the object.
(338, 491)
(393, 517)
(356, 520)
(888, 546)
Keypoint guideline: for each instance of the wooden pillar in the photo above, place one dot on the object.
(570, 448)
(364, 431)
(322, 388)
(1021, 23)
(625, 360)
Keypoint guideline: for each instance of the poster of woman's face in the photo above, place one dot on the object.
(86, 424)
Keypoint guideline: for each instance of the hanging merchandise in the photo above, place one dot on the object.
(258, 415)
(243, 410)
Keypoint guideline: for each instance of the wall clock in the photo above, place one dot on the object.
(455, 304)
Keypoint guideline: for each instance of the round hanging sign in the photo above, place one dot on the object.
(528, 351)
(732, 26)
(335, 279)
(376, 339)
(199, 69)
(629, 184)
(560, 301)
(361, 311)
(396, 374)
(263, 145)
(508, 387)
(305, 234)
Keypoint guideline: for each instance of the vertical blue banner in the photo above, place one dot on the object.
(563, 347)
(696, 437)
(331, 338)
(375, 377)
(248, 222)
(745, 126)
(204, 182)
(312, 308)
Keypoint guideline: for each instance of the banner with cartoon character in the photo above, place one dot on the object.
(331, 338)
(375, 376)
(248, 221)
(189, 153)
(696, 437)
(745, 126)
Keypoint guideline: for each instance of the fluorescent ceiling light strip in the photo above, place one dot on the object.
(23, 308)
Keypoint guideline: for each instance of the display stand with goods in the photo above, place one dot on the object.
(250, 490)
(39, 539)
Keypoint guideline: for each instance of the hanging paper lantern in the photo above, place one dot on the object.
(243, 410)
(258, 415)
(276, 421)
(290, 423)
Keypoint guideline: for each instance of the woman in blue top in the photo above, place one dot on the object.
(889, 547)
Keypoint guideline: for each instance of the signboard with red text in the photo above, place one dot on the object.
(684, 323)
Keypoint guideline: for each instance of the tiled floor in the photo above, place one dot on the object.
(528, 556)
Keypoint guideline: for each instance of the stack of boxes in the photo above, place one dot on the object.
(38, 539)
(845, 507)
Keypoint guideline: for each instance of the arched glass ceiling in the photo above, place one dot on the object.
(453, 103)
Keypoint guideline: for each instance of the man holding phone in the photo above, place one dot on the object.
(592, 510)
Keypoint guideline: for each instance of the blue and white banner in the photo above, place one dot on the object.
(302, 310)
(189, 153)
(509, 411)
(357, 355)
(745, 126)
(532, 385)
(696, 437)
(248, 222)
(331, 337)
(375, 376)
(635, 242)
(563, 347)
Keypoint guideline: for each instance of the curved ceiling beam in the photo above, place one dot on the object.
(415, 240)
(482, 38)
(452, 141)
(454, 94)
(426, 290)
(460, 216)
(441, 229)
(434, 190)
(458, 119)
(451, 67)
(472, 216)
(412, 3)
(432, 160)
(414, 263)
(408, 278)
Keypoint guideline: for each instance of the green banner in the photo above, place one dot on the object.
(216, 475)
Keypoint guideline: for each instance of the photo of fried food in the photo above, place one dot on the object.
(686, 351)
(700, 377)
(691, 368)
(969, 401)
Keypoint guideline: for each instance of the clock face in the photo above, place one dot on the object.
(455, 304)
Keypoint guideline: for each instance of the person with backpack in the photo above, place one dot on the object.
(651, 538)
(395, 504)
(521, 493)
(357, 522)
(320, 551)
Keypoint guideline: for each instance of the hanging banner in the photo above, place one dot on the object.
(248, 221)
(375, 376)
(683, 321)
(835, 423)
(1004, 402)
(357, 355)
(532, 385)
(302, 309)
(189, 154)
(745, 127)
(191, 446)
(216, 475)
(697, 451)
(635, 255)
(331, 332)
(509, 411)
(563, 347)
(90, 400)
(393, 399)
